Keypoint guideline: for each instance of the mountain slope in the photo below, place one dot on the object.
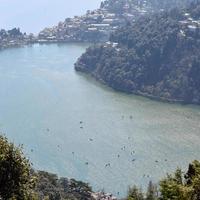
(157, 56)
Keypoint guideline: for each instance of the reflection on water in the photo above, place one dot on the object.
(73, 126)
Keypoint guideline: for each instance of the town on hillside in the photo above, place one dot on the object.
(95, 26)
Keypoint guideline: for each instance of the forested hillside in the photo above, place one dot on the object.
(156, 56)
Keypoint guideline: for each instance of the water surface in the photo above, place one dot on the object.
(66, 120)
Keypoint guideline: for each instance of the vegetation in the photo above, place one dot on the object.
(50, 187)
(13, 33)
(178, 186)
(19, 182)
(156, 56)
(14, 38)
(16, 179)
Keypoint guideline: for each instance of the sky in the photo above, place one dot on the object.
(32, 16)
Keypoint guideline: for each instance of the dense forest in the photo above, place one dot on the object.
(156, 56)
(18, 181)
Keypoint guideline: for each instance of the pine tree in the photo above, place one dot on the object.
(152, 192)
(135, 194)
(16, 180)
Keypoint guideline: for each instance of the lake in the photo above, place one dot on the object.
(72, 125)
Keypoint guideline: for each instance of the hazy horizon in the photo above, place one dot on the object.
(33, 16)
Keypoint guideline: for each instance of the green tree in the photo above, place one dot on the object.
(152, 192)
(174, 188)
(16, 179)
(135, 194)
(193, 179)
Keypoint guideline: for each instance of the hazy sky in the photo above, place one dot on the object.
(34, 15)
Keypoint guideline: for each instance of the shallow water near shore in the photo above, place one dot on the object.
(72, 125)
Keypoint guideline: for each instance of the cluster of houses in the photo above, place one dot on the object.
(94, 26)
(103, 196)
(189, 24)
(14, 37)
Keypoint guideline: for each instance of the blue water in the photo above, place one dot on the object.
(43, 100)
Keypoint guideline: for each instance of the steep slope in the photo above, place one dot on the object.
(157, 56)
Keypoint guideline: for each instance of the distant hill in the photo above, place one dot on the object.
(14, 37)
(156, 56)
(97, 25)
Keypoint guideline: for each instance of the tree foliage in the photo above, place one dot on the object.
(135, 194)
(16, 180)
(177, 186)
(13, 33)
(156, 56)
(19, 182)
(51, 187)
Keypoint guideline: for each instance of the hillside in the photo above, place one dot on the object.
(97, 25)
(156, 56)
(14, 37)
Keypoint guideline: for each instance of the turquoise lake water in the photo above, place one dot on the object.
(66, 119)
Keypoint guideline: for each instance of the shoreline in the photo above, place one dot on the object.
(98, 79)
(138, 93)
(23, 44)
